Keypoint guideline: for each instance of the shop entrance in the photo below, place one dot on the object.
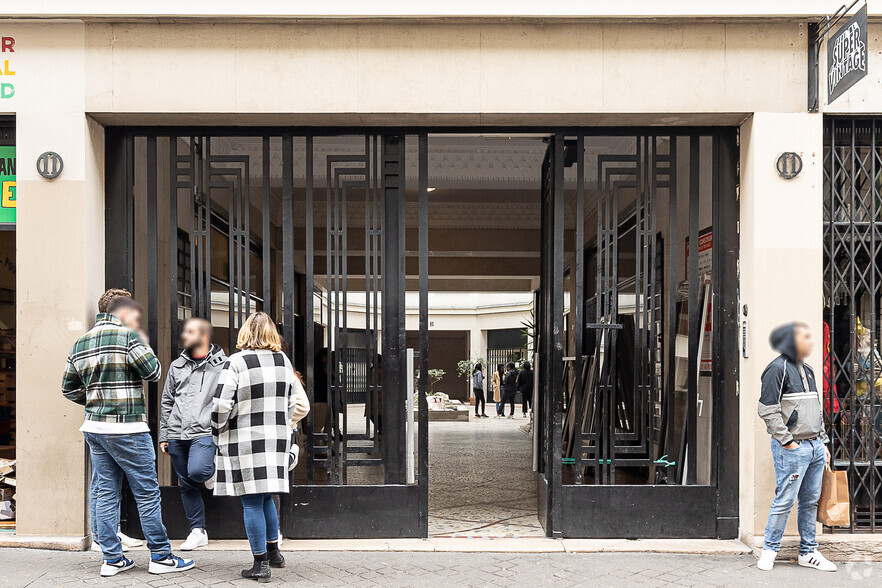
(7, 323)
(636, 364)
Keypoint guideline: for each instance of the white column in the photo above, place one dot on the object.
(60, 248)
(781, 278)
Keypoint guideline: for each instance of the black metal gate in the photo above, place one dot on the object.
(632, 425)
(306, 226)
(853, 295)
(234, 222)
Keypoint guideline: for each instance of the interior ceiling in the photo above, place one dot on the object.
(484, 206)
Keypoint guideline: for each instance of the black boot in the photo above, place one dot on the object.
(261, 570)
(276, 560)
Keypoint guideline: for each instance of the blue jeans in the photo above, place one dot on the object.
(261, 521)
(798, 476)
(132, 456)
(193, 461)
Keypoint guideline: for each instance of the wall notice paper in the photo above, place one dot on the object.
(705, 266)
(7, 184)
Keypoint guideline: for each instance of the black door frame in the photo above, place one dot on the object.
(400, 510)
(662, 510)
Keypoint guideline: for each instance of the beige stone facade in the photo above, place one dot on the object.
(75, 76)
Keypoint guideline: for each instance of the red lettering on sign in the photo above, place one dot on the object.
(7, 44)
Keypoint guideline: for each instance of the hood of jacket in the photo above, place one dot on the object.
(215, 355)
(783, 341)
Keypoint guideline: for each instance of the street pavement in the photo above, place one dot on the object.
(27, 567)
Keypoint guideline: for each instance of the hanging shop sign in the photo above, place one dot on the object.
(847, 55)
(7, 184)
(7, 88)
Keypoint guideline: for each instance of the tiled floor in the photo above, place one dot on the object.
(481, 482)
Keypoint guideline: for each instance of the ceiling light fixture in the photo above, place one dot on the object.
(430, 189)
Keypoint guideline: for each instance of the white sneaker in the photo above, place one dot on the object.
(767, 560)
(817, 561)
(197, 538)
(169, 564)
(111, 569)
(128, 541)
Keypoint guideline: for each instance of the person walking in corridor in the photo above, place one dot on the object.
(790, 406)
(497, 389)
(478, 389)
(509, 388)
(259, 399)
(104, 372)
(525, 387)
(185, 421)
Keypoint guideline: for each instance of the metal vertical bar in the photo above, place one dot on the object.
(423, 408)
(852, 314)
(377, 225)
(671, 318)
(173, 242)
(310, 310)
(206, 218)
(152, 277)
(872, 227)
(334, 313)
(266, 237)
(726, 322)
(196, 225)
(578, 306)
(344, 346)
(288, 241)
(393, 305)
(695, 312)
(246, 234)
(333, 372)
(601, 335)
(639, 280)
(613, 333)
(648, 359)
(231, 259)
(556, 360)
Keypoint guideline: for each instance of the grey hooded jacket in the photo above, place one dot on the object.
(187, 397)
(791, 411)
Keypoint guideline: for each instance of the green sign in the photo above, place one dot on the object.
(7, 184)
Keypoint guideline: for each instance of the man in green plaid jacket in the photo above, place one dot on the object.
(104, 373)
(105, 370)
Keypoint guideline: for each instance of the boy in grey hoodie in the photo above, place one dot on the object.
(790, 406)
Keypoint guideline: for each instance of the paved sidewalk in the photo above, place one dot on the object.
(24, 567)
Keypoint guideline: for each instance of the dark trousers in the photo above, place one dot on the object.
(193, 462)
(526, 400)
(480, 401)
(507, 398)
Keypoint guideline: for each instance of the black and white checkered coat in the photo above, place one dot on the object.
(257, 400)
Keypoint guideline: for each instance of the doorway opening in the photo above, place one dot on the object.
(483, 196)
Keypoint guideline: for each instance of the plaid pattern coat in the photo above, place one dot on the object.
(258, 395)
(105, 370)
